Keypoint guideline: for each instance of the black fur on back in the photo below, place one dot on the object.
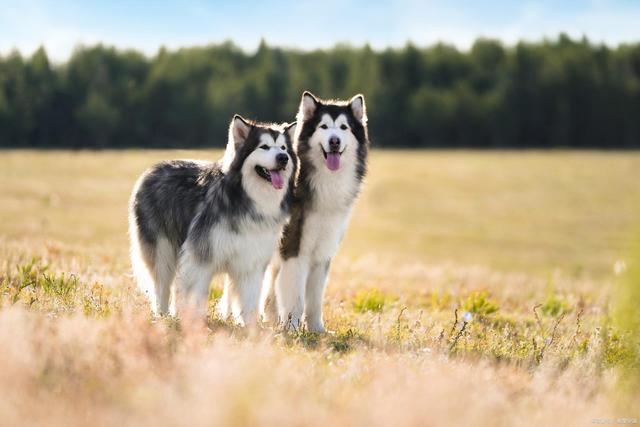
(183, 199)
(303, 192)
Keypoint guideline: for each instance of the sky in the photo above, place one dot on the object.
(147, 25)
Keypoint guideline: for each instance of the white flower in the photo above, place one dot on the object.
(619, 267)
(467, 317)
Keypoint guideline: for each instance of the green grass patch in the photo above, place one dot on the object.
(371, 300)
(555, 305)
(34, 285)
(479, 303)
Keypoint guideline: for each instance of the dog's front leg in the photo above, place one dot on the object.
(194, 278)
(268, 304)
(314, 296)
(290, 287)
(245, 295)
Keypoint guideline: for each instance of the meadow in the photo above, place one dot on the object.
(471, 288)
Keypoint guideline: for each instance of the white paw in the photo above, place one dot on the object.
(317, 328)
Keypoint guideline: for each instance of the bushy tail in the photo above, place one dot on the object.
(140, 270)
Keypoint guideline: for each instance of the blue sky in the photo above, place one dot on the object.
(61, 25)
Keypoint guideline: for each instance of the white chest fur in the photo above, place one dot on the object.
(248, 248)
(327, 219)
(335, 191)
(322, 234)
(266, 199)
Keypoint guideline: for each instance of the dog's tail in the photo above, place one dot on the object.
(139, 267)
(137, 252)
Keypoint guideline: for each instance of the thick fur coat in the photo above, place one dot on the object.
(190, 220)
(332, 144)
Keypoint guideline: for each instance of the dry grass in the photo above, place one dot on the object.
(472, 288)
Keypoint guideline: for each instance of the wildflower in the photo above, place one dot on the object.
(619, 267)
(467, 317)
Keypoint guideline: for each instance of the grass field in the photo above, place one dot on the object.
(471, 288)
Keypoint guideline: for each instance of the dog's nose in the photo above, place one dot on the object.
(334, 144)
(282, 159)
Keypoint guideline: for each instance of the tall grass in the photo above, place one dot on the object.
(74, 351)
(627, 318)
(472, 288)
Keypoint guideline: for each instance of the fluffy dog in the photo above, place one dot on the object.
(332, 144)
(189, 220)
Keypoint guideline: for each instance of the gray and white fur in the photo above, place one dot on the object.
(332, 144)
(190, 220)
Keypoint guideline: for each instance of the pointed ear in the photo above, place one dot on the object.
(291, 130)
(308, 106)
(358, 108)
(239, 130)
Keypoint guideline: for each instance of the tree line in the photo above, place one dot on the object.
(555, 93)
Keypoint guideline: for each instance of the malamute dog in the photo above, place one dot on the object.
(332, 144)
(195, 219)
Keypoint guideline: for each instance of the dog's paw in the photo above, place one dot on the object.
(316, 329)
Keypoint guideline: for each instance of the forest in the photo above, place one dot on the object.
(560, 92)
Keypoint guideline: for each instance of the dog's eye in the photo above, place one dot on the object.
(283, 148)
(344, 127)
(324, 127)
(264, 146)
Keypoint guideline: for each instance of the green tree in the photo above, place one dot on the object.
(562, 92)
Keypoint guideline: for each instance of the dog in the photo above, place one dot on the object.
(190, 220)
(331, 143)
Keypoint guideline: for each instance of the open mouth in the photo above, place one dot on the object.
(274, 176)
(332, 158)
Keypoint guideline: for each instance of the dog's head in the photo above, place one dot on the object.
(261, 154)
(332, 133)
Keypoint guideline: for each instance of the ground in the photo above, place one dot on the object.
(471, 288)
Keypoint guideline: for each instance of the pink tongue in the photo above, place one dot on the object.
(276, 179)
(333, 161)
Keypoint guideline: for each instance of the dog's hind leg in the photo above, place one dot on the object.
(223, 307)
(164, 271)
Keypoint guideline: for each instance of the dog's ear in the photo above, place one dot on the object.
(239, 130)
(290, 129)
(358, 108)
(308, 106)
